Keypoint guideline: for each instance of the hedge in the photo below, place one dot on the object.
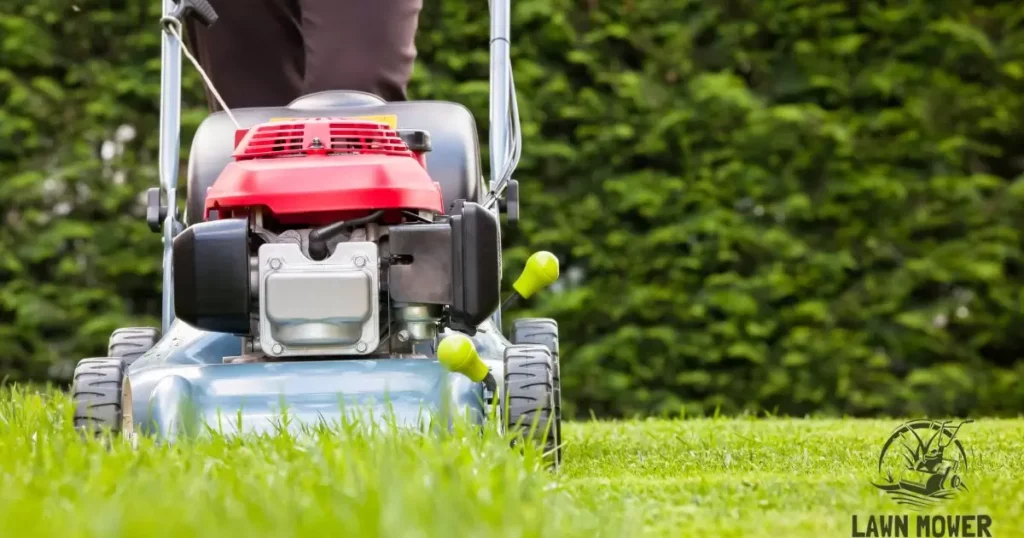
(783, 206)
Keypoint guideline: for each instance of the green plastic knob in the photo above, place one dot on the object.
(540, 272)
(458, 354)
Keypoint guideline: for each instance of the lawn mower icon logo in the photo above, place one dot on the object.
(922, 463)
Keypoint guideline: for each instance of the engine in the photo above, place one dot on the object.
(328, 237)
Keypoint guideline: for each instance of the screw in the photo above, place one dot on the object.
(360, 261)
(278, 349)
(275, 263)
(403, 335)
(361, 347)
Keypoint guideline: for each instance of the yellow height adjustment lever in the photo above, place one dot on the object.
(540, 272)
(457, 353)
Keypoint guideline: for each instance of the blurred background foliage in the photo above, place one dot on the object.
(759, 205)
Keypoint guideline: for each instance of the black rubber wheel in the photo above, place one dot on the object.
(529, 397)
(130, 343)
(102, 395)
(544, 332)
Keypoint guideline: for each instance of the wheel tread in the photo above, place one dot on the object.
(130, 343)
(96, 393)
(544, 332)
(529, 395)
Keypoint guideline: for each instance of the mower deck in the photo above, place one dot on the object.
(183, 386)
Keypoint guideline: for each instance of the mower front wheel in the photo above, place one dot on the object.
(102, 395)
(130, 343)
(529, 398)
(544, 332)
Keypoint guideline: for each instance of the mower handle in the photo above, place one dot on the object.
(504, 129)
(170, 146)
(501, 93)
(201, 10)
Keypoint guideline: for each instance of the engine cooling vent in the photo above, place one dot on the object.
(272, 140)
(321, 136)
(366, 137)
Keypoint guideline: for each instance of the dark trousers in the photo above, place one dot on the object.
(269, 52)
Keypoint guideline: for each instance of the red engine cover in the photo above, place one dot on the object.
(311, 171)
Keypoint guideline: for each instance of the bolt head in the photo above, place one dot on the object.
(361, 347)
(403, 335)
(359, 261)
(275, 263)
(278, 349)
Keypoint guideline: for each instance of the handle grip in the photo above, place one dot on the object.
(201, 10)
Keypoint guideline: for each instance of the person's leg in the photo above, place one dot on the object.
(253, 53)
(364, 45)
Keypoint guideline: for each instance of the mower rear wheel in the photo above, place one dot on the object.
(529, 397)
(102, 395)
(544, 332)
(130, 343)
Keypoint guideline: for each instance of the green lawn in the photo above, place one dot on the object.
(713, 477)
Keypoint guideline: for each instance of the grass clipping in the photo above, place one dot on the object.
(344, 480)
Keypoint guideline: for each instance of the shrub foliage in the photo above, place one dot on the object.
(759, 205)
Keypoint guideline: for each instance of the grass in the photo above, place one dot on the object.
(777, 477)
(706, 477)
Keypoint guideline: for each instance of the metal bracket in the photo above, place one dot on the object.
(510, 203)
(156, 209)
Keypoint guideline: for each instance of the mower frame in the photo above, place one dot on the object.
(182, 380)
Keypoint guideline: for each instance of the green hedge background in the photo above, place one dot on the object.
(759, 205)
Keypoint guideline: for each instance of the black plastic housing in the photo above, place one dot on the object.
(211, 276)
(428, 278)
(476, 265)
(418, 141)
(456, 264)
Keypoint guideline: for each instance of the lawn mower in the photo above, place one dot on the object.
(341, 252)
